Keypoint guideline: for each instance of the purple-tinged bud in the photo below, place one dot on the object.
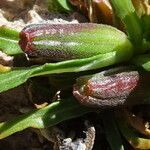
(106, 89)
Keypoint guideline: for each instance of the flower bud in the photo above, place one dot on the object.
(59, 42)
(106, 89)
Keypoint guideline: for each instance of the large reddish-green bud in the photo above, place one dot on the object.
(59, 42)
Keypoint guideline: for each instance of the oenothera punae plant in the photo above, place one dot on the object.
(72, 48)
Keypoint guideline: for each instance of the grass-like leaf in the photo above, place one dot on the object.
(9, 41)
(126, 12)
(20, 75)
(45, 117)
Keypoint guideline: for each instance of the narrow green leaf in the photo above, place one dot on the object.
(45, 117)
(14, 78)
(126, 12)
(20, 75)
(9, 41)
(111, 130)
